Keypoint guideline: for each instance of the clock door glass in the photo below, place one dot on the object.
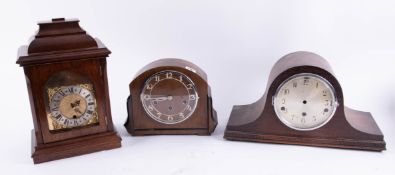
(169, 97)
(71, 106)
(305, 102)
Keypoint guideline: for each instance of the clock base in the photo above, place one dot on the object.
(74, 147)
(211, 125)
(143, 132)
(243, 126)
(181, 131)
(369, 145)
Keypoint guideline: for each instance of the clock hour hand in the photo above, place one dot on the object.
(75, 104)
(159, 98)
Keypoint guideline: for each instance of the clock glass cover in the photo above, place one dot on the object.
(169, 97)
(305, 102)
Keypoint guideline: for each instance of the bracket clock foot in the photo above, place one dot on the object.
(303, 105)
(172, 97)
(74, 147)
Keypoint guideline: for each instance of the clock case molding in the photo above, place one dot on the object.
(348, 128)
(62, 45)
(202, 122)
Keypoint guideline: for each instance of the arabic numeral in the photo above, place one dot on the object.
(169, 75)
(150, 86)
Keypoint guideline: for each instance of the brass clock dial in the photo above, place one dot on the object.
(305, 102)
(169, 97)
(72, 106)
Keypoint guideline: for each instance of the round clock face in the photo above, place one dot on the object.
(169, 97)
(305, 102)
(72, 106)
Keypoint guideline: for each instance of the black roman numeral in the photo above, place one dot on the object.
(89, 112)
(58, 116)
(71, 90)
(62, 93)
(91, 103)
(87, 95)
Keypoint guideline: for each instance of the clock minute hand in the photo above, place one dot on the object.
(160, 98)
(77, 110)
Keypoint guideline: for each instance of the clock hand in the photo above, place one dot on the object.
(75, 104)
(77, 110)
(160, 98)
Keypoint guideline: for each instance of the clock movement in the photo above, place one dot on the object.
(66, 76)
(303, 105)
(170, 96)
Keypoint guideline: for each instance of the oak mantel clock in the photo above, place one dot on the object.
(304, 105)
(66, 76)
(170, 96)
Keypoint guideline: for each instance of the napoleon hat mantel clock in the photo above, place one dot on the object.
(303, 105)
(170, 96)
(66, 76)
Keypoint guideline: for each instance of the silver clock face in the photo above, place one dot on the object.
(305, 102)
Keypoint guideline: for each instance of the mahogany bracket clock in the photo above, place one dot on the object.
(170, 96)
(66, 77)
(304, 105)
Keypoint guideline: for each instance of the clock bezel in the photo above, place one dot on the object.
(326, 83)
(152, 116)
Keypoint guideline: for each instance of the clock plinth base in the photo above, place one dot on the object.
(200, 132)
(181, 131)
(370, 145)
(74, 147)
(242, 128)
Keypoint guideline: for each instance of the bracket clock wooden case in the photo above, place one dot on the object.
(304, 105)
(66, 76)
(170, 96)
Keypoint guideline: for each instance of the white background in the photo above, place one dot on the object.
(236, 43)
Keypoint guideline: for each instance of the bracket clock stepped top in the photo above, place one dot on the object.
(303, 105)
(60, 40)
(170, 96)
(66, 76)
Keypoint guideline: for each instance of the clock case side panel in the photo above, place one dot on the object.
(37, 131)
(202, 122)
(212, 113)
(360, 132)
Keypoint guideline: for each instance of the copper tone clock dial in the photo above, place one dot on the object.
(305, 102)
(169, 97)
(72, 106)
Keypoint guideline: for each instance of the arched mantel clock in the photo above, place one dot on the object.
(304, 105)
